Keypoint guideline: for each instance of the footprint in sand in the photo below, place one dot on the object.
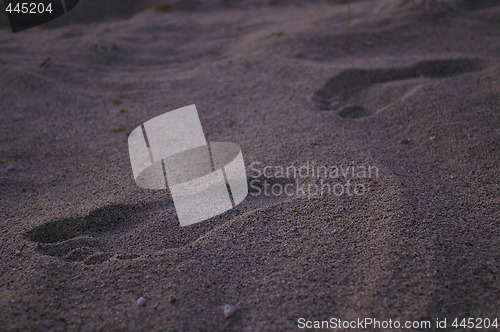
(126, 231)
(119, 231)
(357, 93)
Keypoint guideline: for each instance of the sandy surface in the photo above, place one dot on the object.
(416, 95)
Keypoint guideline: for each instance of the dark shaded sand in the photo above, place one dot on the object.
(416, 95)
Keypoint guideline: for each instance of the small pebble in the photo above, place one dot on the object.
(404, 141)
(228, 310)
(94, 192)
(141, 302)
(11, 168)
(18, 253)
(432, 138)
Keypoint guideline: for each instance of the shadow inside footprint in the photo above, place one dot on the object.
(354, 112)
(349, 90)
(99, 221)
(120, 231)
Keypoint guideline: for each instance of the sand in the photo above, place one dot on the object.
(412, 89)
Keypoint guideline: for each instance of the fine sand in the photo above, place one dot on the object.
(409, 87)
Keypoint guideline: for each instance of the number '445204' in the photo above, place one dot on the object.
(475, 323)
(29, 8)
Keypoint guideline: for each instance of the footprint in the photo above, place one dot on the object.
(130, 231)
(357, 93)
(119, 231)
